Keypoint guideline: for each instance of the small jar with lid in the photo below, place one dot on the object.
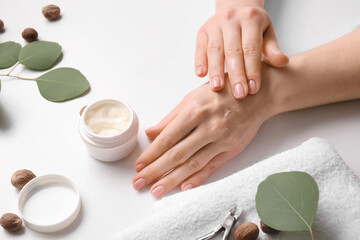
(109, 129)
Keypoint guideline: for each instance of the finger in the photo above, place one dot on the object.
(252, 48)
(154, 131)
(176, 130)
(199, 178)
(172, 158)
(215, 53)
(190, 167)
(274, 56)
(201, 54)
(234, 60)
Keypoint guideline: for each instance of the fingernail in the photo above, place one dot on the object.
(252, 86)
(188, 187)
(139, 167)
(239, 90)
(156, 192)
(199, 70)
(276, 51)
(215, 82)
(140, 183)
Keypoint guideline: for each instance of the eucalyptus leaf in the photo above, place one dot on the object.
(288, 201)
(9, 52)
(62, 84)
(40, 55)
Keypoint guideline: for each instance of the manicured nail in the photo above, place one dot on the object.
(139, 167)
(199, 70)
(252, 86)
(188, 186)
(140, 183)
(156, 192)
(276, 51)
(239, 90)
(215, 82)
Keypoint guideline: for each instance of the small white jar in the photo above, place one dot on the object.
(114, 147)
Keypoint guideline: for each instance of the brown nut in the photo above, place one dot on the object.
(30, 34)
(10, 222)
(266, 229)
(21, 177)
(51, 12)
(1, 26)
(246, 231)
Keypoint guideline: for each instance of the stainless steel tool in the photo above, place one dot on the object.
(225, 226)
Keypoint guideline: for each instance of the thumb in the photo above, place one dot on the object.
(273, 55)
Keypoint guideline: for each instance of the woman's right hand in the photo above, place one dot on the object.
(238, 35)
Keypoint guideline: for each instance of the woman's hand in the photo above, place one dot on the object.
(203, 132)
(238, 33)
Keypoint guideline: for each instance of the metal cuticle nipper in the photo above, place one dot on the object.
(225, 226)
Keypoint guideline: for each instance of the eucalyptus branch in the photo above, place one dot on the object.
(60, 84)
(17, 64)
(22, 78)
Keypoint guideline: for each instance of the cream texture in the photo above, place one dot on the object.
(108, 119)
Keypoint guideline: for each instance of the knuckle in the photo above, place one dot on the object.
(150, 175)
(165, 142)
(214, 47)
(250, 12)
(197, 111)
(234, 51)
(251, 49)
(176, 156)
(229, 13)
(211, 166)
(194, 165)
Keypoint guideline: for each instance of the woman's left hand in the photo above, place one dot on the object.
(202, 133)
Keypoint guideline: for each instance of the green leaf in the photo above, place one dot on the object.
(9, 52)
(62, 84)
(288, 201)
(40, 55)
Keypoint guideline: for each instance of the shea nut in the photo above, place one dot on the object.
(21, 177)
(51, 12)
(10, 222)
(1, 26)
(30, 34)
(266, 229)
(246, 231)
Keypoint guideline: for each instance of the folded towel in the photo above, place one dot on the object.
(189, 215)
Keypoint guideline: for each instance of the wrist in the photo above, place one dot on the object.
(282, 86)
(221, 5)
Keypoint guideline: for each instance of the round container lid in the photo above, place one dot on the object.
(49, 203)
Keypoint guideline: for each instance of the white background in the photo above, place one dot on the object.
(143, 52)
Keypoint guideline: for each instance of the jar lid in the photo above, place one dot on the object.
(49, 203)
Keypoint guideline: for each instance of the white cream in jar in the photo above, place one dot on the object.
(108, 119)
(109, 129)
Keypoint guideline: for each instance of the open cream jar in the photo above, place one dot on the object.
(109, 129)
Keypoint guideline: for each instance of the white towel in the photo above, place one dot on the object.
(191, 214)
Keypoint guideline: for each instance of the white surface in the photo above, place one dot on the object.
(201, 209)
(143, 52)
